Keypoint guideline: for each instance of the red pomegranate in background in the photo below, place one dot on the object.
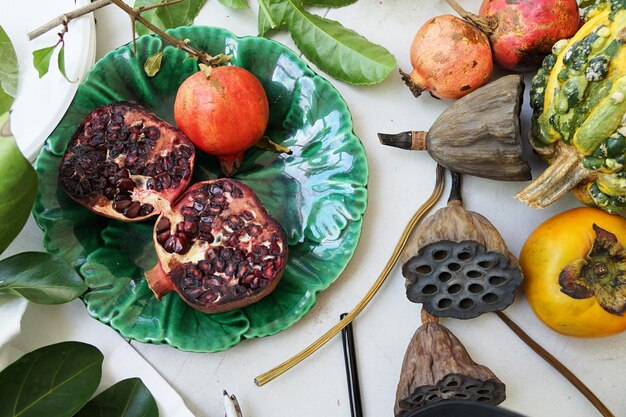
(525, 30)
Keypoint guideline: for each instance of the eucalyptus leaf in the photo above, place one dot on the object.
(235, 4)
(40, 277)
(18, 186)
(41, 59)
(8, 72)
(127, 398)
(338, 51)
(153, 64)
(55, 380)
(171, 16)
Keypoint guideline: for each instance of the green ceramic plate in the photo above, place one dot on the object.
(318, 194)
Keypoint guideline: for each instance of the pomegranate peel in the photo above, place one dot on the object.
(218, 248)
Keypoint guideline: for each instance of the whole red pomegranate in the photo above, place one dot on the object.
(450, 58)
(527, 29)
(125, 163)
(218, 248)
(224, 113)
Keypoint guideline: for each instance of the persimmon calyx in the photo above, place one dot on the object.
(601, 274)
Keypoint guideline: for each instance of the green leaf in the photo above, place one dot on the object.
(153, 64)
(41, 59)
(40, 277)
(55, 380)
(8, 72)
(18, 186)
(339, 52)
(61, 62)
(278, 9)
(166, 17)
(127, 398)
(330, 3)
(235, 4)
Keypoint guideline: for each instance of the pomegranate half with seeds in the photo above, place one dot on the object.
(125, 163)
(218, 248)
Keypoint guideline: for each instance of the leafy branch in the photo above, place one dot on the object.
(340, 52)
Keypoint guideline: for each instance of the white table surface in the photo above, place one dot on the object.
(399, 182)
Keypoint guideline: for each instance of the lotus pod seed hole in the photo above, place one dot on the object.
(486, 264)
(497, 280)
(430, 289)
(461, 395)
(424, 269)
(474, 274)
(455, 288)
(466, 304)
(483, 392)
(440, 255)
(453, 383)
(464, 256)
(445, 276)
(490, 298)
(475, 288)
(444, 303)
(454, 267)
(482, 399)
(431, 397)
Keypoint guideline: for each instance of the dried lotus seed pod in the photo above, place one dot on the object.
(437, 367)
(458, 265)
(479, 134)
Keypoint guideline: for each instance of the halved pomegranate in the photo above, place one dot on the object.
(125, 163)
(218, 248)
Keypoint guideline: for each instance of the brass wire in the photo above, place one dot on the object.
(417, 217)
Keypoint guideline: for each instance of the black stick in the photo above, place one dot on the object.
(352, 375)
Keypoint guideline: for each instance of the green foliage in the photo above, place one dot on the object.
(127, 398)
(336, 50)
(235, 4)
(61, 62)
(8, 72)
(59, 379)
(41, 278)
(171, 16)
(55, 380)
(17, 188)
(41, 59)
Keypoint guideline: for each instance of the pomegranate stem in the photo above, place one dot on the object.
(486, 24)
(417, 217)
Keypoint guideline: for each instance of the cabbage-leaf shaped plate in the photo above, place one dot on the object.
(318, 194)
